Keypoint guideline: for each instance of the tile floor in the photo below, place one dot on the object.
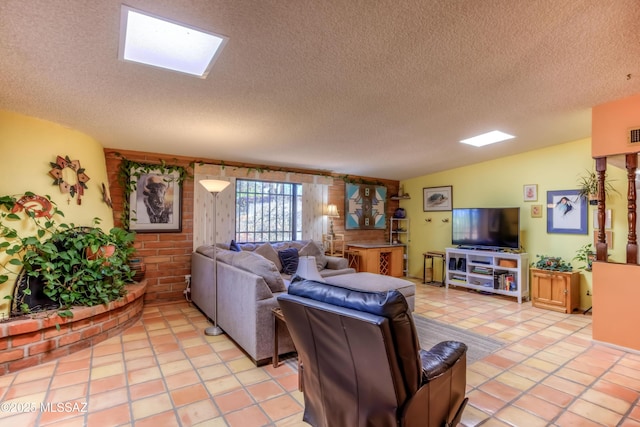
(165, 372)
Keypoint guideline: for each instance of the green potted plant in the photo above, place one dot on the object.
(552, 263)
(588, 187)
(55, 256)
(586, 255)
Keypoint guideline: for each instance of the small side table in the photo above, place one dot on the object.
(353, 258)
(333, 245)
(432, 255)
(278, 317)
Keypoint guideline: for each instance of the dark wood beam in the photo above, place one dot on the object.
(631, 162)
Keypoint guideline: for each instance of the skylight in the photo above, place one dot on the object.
(159, 42)
(487, 138)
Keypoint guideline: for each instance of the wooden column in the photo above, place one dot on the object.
(601, 245)
(632, 243)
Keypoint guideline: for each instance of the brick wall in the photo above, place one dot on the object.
(46, 336)
(167, 256)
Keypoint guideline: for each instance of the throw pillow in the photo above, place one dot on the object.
(267, 251)
(234, 246)
(289, 260)
(312, 249)
(257, 264)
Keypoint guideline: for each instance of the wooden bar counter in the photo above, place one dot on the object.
(380, 258)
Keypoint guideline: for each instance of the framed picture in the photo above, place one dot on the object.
(155, 203)
(566, 212)
(607, 219)
(365, 207)
(531, 193)
(536, 211)
(437, 198)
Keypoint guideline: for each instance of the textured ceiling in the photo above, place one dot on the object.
(380, 88)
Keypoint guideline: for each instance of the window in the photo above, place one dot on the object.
(268, 211)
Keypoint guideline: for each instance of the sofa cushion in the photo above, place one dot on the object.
(289, 259)
(312, 249)
(234, 246)
(223, 254)
(247, 246)
(259, 265)
(267, 251)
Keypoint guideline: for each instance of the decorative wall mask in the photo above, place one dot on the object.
(70, 177)
(39, 205)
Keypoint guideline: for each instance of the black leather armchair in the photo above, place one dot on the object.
(362, 364)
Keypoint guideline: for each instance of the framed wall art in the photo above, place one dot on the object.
(155, 201)
(437, 198)
(566, 212)
(365, 207)
(607, 219)
(530, 193)
(536, 211)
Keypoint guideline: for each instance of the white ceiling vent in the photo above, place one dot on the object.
(634, 135)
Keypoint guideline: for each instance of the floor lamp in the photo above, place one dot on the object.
(214, 186)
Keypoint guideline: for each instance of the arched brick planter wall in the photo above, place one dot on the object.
(29, 342)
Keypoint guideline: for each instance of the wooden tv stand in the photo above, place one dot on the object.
(488, 271)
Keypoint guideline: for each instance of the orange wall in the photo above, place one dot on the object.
(616, 289)
(610, 124)
(616, 294)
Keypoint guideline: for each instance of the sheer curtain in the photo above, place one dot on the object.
(315, 190)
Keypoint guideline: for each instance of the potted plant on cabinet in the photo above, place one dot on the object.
(552, 263)
(554, 284)
(586, 255)
(55, 257)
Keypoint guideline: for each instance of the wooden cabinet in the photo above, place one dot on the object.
(387, 260)
(555, 290)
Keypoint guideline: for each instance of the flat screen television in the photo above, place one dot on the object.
(496, 228)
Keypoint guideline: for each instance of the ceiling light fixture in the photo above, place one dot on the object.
(156, 41)
(487, 138)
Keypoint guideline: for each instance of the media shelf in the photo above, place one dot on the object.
(497, 272)
(399, 235)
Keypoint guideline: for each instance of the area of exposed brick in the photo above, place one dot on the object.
(45, 336)
(167, 256)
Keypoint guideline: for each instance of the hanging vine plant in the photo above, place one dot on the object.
(131, 170)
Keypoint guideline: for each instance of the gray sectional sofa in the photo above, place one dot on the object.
(248, 284)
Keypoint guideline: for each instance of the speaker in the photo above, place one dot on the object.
(452, 263)
(462, 264)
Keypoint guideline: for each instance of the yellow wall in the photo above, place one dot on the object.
(28, 146)
(499, 183)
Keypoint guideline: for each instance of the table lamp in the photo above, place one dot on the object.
(332, 212)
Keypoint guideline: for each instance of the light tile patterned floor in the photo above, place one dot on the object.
(164, 371)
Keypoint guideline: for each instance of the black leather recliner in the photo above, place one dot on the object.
(361, 363)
